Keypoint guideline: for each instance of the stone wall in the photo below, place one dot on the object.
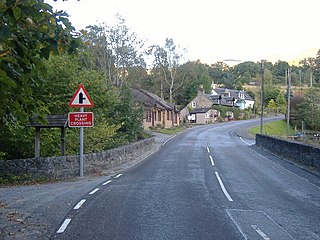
(68, 167)
(298, 152)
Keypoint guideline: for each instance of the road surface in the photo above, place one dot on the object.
(207, 183)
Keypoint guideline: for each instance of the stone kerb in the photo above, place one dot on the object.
(68, 167)
(303, 154)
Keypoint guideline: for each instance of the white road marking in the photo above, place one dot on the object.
(212, 163)
(208, 150)
(119, 175)
(80, 204)
(245, 141)
(94, 191)
(107, 182)
(64, 225)
(262, 234)
(223, 188)
(168, 140)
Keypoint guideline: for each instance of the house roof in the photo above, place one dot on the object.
(233, 93)
(152, 100)
(199, 110)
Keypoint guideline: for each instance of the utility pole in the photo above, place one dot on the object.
(262, 96)
(288, 101)
(300, 78)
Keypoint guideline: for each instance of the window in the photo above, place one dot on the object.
(159, 116)
(193, 104)
(148, 116)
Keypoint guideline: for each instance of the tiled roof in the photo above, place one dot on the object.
(233, 93)
(152, 100)
(199, 110)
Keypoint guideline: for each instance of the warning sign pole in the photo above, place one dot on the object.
(81, 147)
(81, 99)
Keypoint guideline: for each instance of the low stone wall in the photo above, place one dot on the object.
(68, 167)
(298, 152)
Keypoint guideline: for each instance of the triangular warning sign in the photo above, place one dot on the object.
(81, 98)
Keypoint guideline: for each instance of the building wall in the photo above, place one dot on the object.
(201, 102)
(156, 117)
(249, 104)
(204, 118)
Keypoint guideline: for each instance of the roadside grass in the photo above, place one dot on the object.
(170, 131)
(276, 128)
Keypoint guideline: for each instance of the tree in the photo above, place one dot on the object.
(167, 61)
(317, 68)
(271, 104)
(307, 109)
(279, 72)
(308, 68)
(271, 92)
(220, 73)
(217, 71)
(29, 32)
(195, 74)
(116, 49)
(96, 52)
(245, 72)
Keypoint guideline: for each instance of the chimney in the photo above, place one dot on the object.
(201, 90)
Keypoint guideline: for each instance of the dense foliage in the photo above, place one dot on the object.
(29, 32)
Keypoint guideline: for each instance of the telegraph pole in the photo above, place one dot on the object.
(300, 80)
(288, 102)
(262, 96)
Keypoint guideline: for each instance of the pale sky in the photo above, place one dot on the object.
(213, 30)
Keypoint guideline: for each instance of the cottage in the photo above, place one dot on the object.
(227, 97)
(157, 112)
(203, 115)
(218, 96)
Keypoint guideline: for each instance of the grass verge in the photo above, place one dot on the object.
(276, 128)
(170, 131)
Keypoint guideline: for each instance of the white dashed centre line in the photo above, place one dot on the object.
(107, 182)
(80, 204)
(212, 162)
(119, 175)
(94, 191)
(262, 234)
(223, 188)
(208, 149)
(64, 225)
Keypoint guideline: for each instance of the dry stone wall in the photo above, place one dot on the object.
(303, 154)
(68, 166)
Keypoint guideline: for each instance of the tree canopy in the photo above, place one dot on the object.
(29, 32)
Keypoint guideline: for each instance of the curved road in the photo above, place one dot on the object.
(206, 183)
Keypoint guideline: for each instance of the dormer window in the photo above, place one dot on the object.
(241, 95)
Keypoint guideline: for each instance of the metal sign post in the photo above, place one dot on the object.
(81, 148)
(81, 99)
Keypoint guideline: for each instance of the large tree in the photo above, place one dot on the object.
(115, 49)
(30, 31)
(166, 63)
(196, 74)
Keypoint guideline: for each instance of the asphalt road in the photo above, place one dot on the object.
(206, 183)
